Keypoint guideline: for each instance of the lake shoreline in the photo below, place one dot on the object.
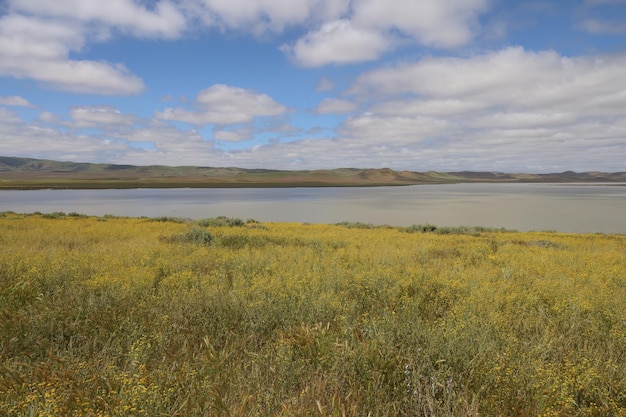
(567, 208)
(10, 185)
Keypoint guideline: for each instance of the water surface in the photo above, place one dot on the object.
(563, 207)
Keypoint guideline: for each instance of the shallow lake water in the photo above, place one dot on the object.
(580, 208)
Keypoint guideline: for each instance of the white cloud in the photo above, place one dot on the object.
(16, 101)
(540, 140)
(522, 120)
(88, 77)
(338, 42)
(393, 130)
(257, 16)
(114, 144)
(165, 20)
(235, 135)
(427, 107)
(48, 117)
(335, 106)
(504, 110)
(37, 38)
(263, 16)
(439, 23)
(20, 138)
(87, 116)
(24, 37)
(223, 105)
(9, 117)
(374, 27)
(326, 10)
(510, 78)
(39, 49)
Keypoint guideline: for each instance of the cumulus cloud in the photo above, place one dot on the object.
(233, 135)
(113, 143)
(16, 101)
(339, 42)
(393, 130)
(439, 23)
(29, 139)
(9, 117)
(224, 105)
(164, 20)
(37, 38)
(427, 107)
(48, 117)
(503, 109)
(510, 78)
(39, 49)
(335, 106)
(373, 28)
(88, 116)
(264, 16)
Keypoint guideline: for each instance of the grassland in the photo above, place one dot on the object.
(222, 317)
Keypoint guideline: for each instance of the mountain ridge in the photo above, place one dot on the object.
(32, 173)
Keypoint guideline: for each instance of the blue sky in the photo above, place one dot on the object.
(448, 85)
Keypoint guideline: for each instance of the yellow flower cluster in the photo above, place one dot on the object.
(104, 316)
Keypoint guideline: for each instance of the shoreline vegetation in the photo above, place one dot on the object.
(222, 316)
(28, 173)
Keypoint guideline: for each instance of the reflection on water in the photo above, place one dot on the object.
(567, 208)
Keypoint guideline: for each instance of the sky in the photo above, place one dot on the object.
(419, 85)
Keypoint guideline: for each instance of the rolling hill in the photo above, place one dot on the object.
(29, 173)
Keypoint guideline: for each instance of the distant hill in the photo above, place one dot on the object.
(28, 173)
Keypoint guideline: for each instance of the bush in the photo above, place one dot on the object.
(164, 219)
(75, 214)
(55, 215)
(449, 230)
(420, 228)
(221, 221)
(195, 235)
(361, 225)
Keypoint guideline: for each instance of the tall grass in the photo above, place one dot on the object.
(121, 317)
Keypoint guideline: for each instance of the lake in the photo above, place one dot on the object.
(580, 208)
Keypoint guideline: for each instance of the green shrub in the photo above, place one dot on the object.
(450, 230)
(356, 225)
(420, 228)
(194, 235)
(75, 214)
(164, 219)
(221, 221)
(55, 215)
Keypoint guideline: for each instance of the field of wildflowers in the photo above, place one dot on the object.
(105, 316)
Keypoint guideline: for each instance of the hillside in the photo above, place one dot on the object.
(28, 173)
